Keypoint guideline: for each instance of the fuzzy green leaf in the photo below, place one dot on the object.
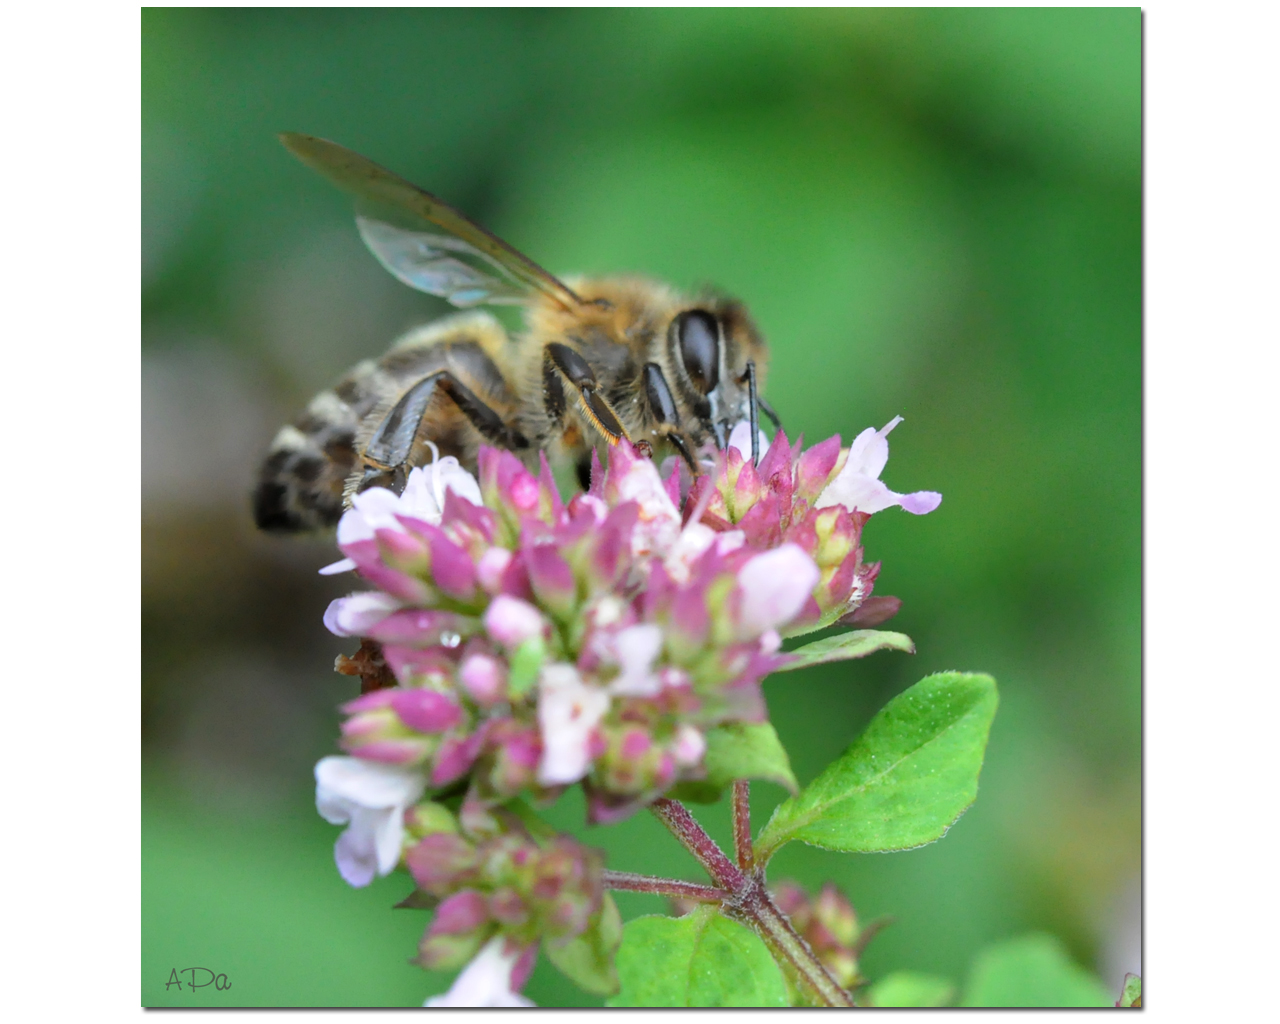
(701, 959)
(1033, 970)
(739, 750)
(910, 988)
(857, 643)
(906, 779)
(1132, 994)
(587, 960)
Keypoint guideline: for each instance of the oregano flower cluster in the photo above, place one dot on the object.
(616, 641)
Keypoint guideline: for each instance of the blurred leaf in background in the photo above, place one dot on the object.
(932, 213)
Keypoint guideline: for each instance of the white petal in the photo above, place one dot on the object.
(568, 710)
(636, 648)
(690, 545)
(355, 852)
(857, 493)
(418, 498)
(372, 798)
(448, 474)
(353, 615)
(485, 981)
(370, 510)
(344, 565)
(366, 783)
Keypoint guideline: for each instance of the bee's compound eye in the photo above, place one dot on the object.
(699, 348)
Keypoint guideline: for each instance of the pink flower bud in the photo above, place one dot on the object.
(484, 678)
(425, 710)
(506, 907)
(689, 746)
(439, 861)
(511, 621)
(551, 578)
(459, 929)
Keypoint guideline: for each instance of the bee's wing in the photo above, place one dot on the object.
(430, 263)
(434, 263)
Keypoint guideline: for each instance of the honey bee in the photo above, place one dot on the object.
(600, 360)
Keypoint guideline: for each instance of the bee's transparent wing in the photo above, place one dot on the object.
(438, 264)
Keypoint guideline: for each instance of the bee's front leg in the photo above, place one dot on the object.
(560, 360)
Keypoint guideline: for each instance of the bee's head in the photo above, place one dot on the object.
(709, 348)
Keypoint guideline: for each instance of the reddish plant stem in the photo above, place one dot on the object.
(742, 823)
(680, 823)
(748, 901)
(672, 887)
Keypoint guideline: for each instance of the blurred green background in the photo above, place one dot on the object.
(933, 213)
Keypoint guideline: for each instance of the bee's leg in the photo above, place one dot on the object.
(753, 403)
(389, 446)
(663, 408)
(577, 372)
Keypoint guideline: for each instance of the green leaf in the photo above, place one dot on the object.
(587, 960)
(907, 778)
(701, 959)
(1132, 994)
(738, 750)
(857, 643)
(1033, 970)
(910, 988)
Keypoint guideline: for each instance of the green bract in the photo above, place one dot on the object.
(907, 778)
(843, 646)
(587, 959)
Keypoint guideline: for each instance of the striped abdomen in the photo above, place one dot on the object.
(315, 463)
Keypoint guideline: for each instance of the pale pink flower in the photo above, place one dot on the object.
(774, 587)
(422, 498)
(370, 798)
(858, 487)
